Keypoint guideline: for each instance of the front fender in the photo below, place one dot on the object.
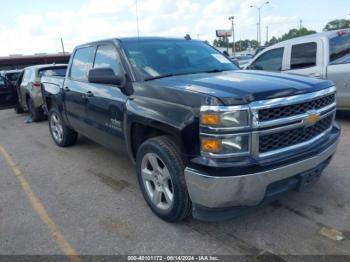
(179, 121)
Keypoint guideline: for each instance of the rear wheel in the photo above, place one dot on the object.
(61, 134)
(160, 171)
(18, 108)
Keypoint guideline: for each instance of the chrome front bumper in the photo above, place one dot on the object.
(245, 190)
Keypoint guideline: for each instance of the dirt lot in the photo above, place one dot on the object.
(85, 199)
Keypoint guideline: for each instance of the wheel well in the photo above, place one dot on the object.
(140, 133)
(48, 102)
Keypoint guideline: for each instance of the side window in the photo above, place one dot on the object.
(107, 56)
(269, 61)
(82, 63)
(303, 55)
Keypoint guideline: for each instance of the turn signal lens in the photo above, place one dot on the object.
(211, 145)
(210, 119)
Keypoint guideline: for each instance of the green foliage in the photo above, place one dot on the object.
(337, 24)
(241, 45)
(293, 33)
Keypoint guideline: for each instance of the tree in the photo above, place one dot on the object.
(337, 24)
(273, 41)
(241, 45)
(296, 33)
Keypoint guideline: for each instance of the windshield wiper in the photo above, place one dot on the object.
(158, 77)
(215, 71)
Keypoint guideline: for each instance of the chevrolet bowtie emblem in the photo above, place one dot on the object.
(311, 119)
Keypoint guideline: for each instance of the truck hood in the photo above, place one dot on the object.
(241, 87)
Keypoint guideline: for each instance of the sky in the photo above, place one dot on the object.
(36, 26)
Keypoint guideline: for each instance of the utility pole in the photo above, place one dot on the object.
(232, 18)
(62, 46)
(267, 34)
(257, 33)
(259, 17)
(300, 24)
(137, 18)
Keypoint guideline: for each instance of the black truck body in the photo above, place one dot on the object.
(223, 140)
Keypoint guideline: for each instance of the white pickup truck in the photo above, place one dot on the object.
(324, 55)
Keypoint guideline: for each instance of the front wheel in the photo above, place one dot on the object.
(61, 134)
(160, 171)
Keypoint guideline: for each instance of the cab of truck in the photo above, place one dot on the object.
(324, 55)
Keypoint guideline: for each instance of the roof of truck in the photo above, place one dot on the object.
(134, 39)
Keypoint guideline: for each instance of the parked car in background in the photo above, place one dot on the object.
(259, 49)
(324, 55)
(205, 136)
(242, 60)
(12, 75)
(8, 94)
(29, 88)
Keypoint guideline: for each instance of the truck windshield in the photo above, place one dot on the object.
(154, 59)
(339, 48)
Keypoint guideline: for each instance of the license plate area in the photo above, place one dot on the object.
(309, 178)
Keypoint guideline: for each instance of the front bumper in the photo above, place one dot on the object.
(247, 190)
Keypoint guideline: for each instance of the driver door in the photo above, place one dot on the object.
(8, 94)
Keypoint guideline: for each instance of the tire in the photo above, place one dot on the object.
(35, 113)
(62, 135)
(170, 200)
(18, 109)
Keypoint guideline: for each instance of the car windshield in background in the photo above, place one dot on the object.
(161, 58)
(339, 48)
(59, 71)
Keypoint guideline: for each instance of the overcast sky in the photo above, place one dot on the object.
(28, 27)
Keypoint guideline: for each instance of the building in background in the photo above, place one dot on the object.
(21, 61)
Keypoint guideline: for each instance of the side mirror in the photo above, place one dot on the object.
(105, 75)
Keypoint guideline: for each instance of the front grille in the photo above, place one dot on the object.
(295, 109)
(292, 137)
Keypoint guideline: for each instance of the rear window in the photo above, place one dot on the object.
(303, 55)
(339, 48)
(12, 76)
(58, 71)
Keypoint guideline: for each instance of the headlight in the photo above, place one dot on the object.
(215, 122)
(225, 145)
(225, 118)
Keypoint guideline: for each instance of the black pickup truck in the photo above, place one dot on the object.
(206, 138)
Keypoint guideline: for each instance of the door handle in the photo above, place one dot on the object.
(66, 88)
(89, 94)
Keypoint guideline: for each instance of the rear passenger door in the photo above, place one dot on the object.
(8, 94)
(105, 103)
(76, 88)
(306, 59)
